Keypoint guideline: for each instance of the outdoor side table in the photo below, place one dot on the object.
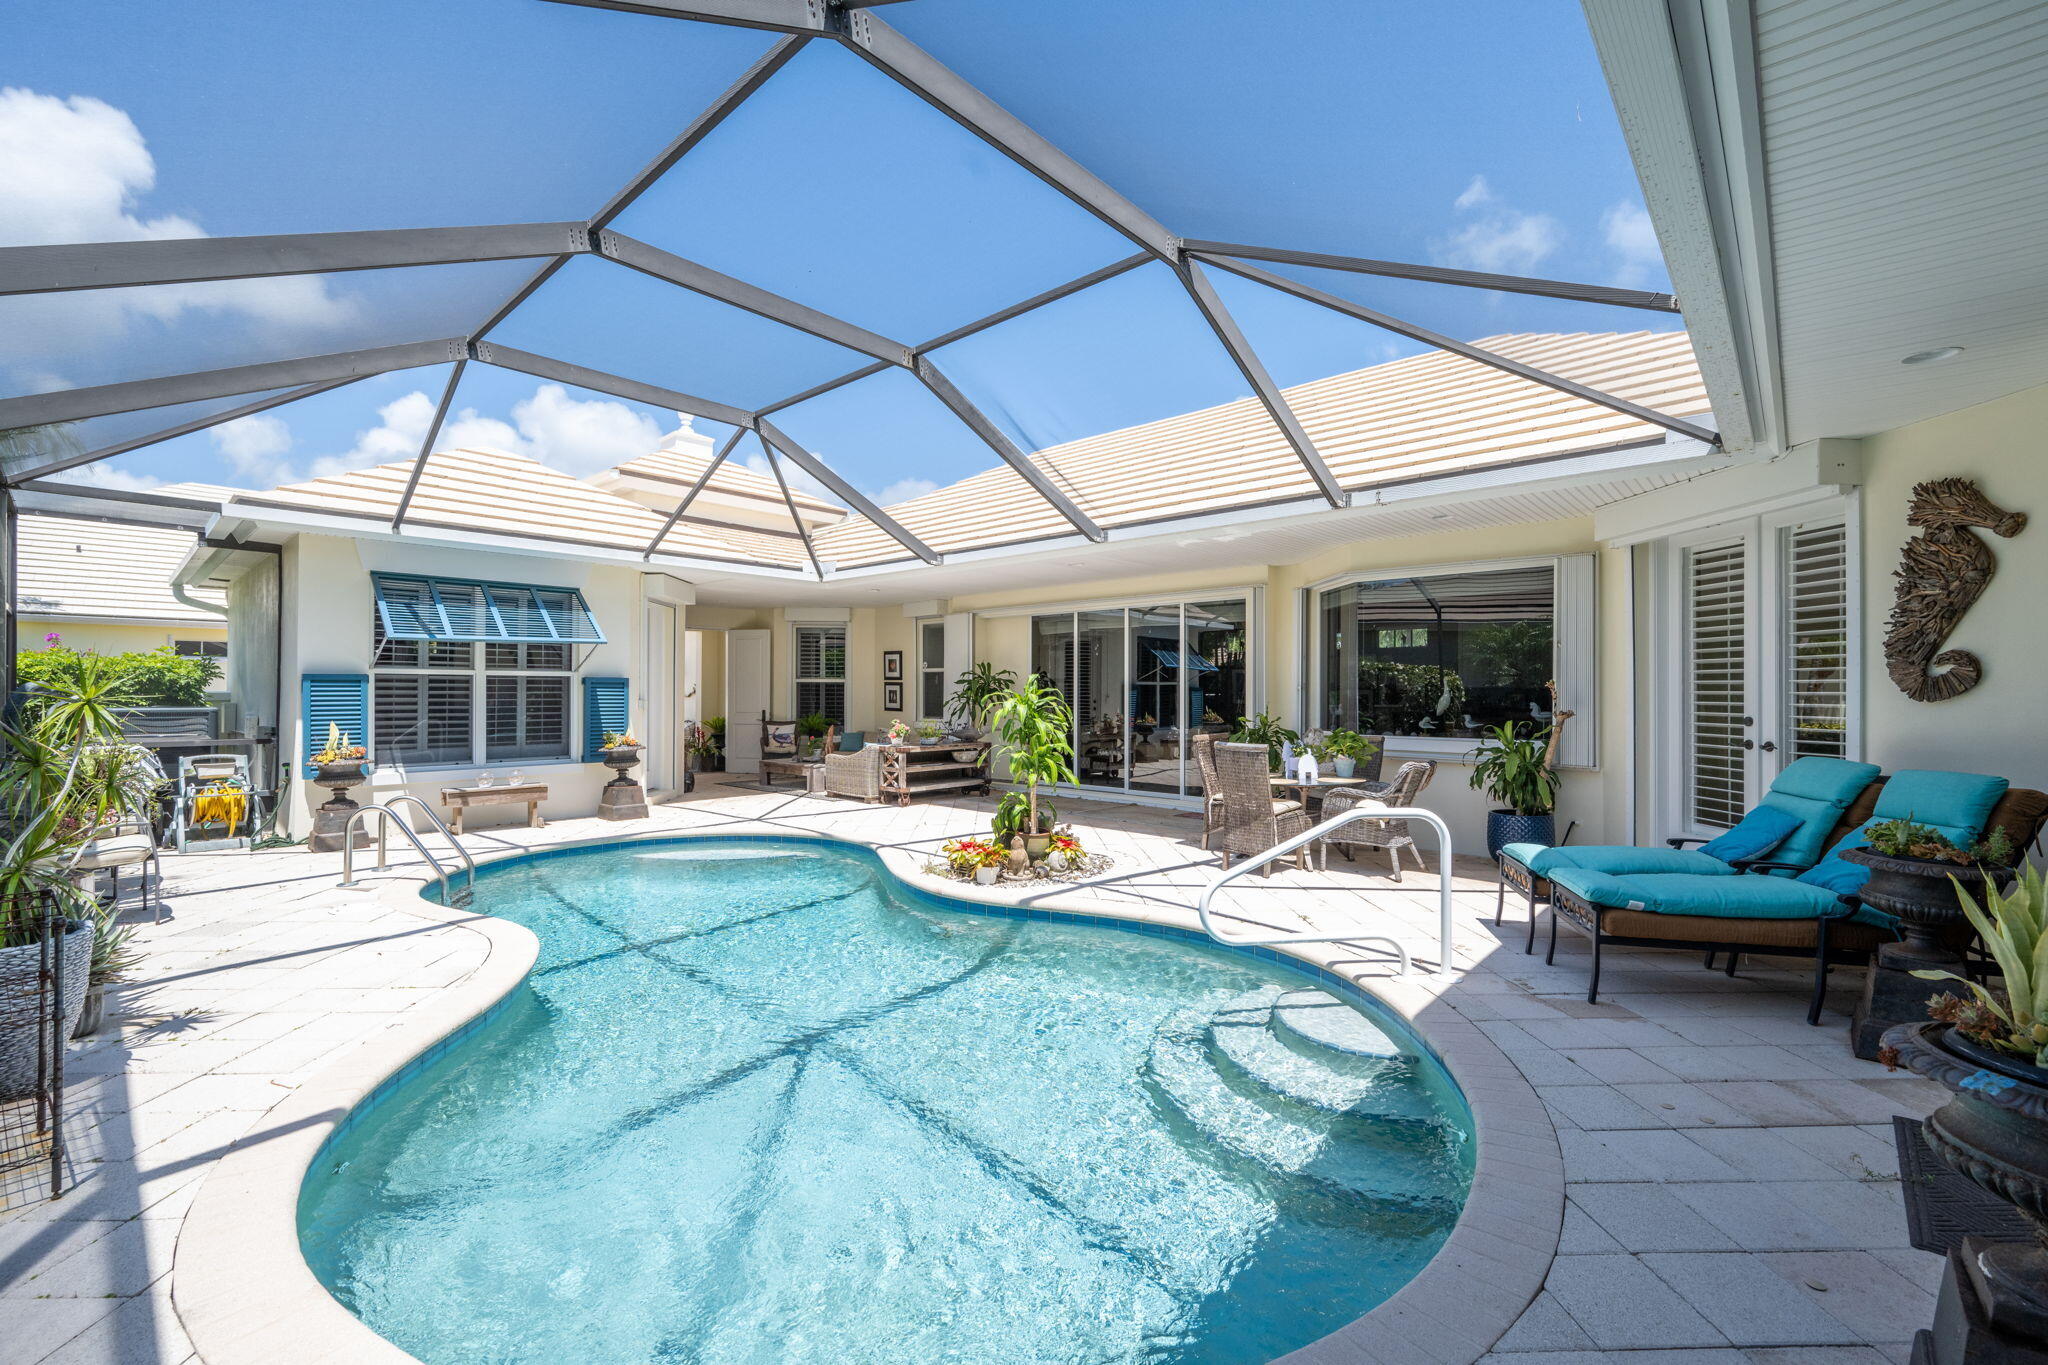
(531, 794)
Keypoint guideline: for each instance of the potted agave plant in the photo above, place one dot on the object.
(1991, 1050)
(338, 768)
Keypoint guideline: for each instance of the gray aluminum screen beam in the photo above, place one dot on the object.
(852, 496)
(780, 16)
(168, 433)
(1203, 291)
(71, 405)
(701, 279)
(942, 389)
(419, 466)
(695, 489)
(816, 390)
(1470, 352)
(187, 260)
(1474, 279)
(775, 468)
(583, 377)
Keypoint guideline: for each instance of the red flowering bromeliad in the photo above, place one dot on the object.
(965, 856)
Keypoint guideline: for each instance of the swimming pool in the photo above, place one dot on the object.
(760, 1102)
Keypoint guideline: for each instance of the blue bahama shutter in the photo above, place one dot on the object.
(457, 610)
(604, 709)
(325, 699)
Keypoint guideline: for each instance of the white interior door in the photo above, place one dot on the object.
(660, 694)
(1760, 659)
(747, 693)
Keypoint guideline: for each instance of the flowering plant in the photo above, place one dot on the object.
(898, 731)
(965, 855)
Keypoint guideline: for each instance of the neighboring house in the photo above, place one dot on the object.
(107, 586)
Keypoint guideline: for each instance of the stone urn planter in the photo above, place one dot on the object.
(622, 798)
(1919, 891)
(20, 1009)
(1994, 1133)
(332, 816)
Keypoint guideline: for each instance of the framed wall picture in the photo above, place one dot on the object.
(892, 665)
(892, 696)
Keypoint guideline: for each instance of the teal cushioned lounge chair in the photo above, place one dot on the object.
(1790, 826)
(1814, 907)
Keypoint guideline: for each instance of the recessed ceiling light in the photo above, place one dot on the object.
(1932, 354)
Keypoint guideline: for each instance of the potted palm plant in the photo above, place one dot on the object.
(1514, 769)
(813, 728)
(1036, 727)
(1267, 730)
(976, 693)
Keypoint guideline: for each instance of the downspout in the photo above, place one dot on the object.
(184, 594)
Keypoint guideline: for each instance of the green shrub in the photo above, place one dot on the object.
(156, 677)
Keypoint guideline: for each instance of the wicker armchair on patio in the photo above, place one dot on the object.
(1204, 746)
(858, 774)
(1388, 836)
(1253, 820)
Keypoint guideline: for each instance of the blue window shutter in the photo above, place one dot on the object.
(459, 610)
(325, 699)
(604, 709)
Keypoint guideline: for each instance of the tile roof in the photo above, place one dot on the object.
(105, 571)
(683, 467)
(1421, 416)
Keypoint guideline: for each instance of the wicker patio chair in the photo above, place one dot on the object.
(1212, 786)
(1389, 836)
(1253, 819)
(858, 774)
(1369, 767)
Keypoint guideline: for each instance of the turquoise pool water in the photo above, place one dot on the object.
(759, 1103)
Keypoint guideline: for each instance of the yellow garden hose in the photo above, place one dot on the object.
(220, 801)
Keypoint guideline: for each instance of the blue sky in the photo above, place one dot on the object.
(1477, 135)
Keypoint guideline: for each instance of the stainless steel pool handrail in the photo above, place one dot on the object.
(1360, 811)
(348, 847)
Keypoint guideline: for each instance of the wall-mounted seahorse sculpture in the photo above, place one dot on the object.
(1943, 571)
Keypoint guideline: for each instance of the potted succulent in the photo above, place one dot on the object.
(1036, 726)
(1920, 876)
(1267, 730)
(1514, 769)
(621, 798)
(976, 694)
(928, 732)
(976, 858)
(1348, 749)
(1991, 1051)
(338, 767)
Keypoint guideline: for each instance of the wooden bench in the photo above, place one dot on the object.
(531, 794)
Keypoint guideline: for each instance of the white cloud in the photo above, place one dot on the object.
(1496, 237)
(1633, 240)
(103, 475)
(581, 436)
(74, 169)
(402, 426)
(254, 448)
(903, 490)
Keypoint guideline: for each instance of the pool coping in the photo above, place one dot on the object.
(246, 1296)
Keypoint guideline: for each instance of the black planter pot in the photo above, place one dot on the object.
(1994, 1133)
(1504, 827)
(1922, 893)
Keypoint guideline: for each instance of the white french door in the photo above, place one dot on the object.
(1758, 659)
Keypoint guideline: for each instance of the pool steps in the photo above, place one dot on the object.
(1233, 1084)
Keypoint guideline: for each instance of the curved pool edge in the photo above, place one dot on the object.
(246, 1296)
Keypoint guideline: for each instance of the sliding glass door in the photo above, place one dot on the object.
(1140, 681)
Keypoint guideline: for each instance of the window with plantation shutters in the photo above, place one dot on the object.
(1716, 675)
(821, 672)
(526, 716)
(1814, 581)
(423, 718)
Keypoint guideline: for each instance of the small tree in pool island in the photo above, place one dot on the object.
(1036, 726)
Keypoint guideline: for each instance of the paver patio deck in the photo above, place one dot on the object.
(1731, 1190)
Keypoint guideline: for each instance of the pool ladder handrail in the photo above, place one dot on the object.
(1359, 811)
(385, 809)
